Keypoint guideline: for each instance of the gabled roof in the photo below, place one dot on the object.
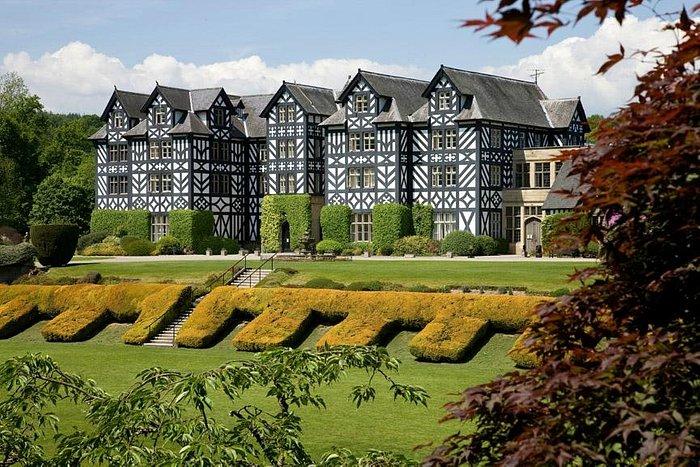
(255, 125)
(138, 129)
(313, 99)
(99, 134)
(194, 100)
(566, 182)
(130, 101)
(338, 118)
(190, 125)
(203, 99)
(561, 111)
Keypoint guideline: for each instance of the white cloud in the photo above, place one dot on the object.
(570, 65)
(77, 78)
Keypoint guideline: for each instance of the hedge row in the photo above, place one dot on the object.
(275, 209)
(191, 228)
(135, 222)
(158, 310)
(16, 315)
(282, 317)
(55, 243)
(335, 223)
(449, 338)
(519, 353)
(390, 221)
(423, 220)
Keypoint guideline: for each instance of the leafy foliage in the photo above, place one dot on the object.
(276, 209)
(92, 238)
(460, 243)
(20, 254)
(134, 222)
(416, 245)
(485, 245)
(135, 246)
(329, 246)
(216, 244)
(57, 201)
(390, 221)
(55, 243)
(191, 228)
(165, 416)
(619, 363)
(168, 245)
(335, 223)
(423, 219)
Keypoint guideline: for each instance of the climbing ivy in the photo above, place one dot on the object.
(295, 209)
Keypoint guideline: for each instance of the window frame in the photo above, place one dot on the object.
(443, 97)
(496, 137)
(453, 175)
(361, 102)
(444, 223)
(451, 137)
(521, 174)
(495, 175)
(118, 119)
(369, 137)
(542, 174)
(361, 227)
(166, 149)
(354, 173)
(154, 148)
(262, 152)
(160, 226)
(512, 225)
(219, 116)
(437, 179)
(368, 172)
(160, 112)
(437, 136)
(354, 142)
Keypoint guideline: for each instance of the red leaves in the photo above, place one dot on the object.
(612, 60)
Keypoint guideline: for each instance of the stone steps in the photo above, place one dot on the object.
(166, 337)
(249, 277)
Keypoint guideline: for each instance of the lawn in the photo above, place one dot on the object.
(535, 276)
(383, 424)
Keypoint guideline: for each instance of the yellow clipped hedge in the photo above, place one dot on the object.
(76, 324)
(449, 338)
(157, 310)
(274, 328)
(522, 357)
(17, 315)
(371, 328)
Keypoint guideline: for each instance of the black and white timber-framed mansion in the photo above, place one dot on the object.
(448, 142)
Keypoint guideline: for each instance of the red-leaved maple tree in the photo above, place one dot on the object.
(620, 362)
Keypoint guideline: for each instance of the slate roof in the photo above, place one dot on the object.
(131, 102)
(560, 111)
(563, 181)
(190, 125)
(138, 129)
(256, 126)
(338, 118)
(313, 99)
(185, 99)
(202, 99)
(99, 134)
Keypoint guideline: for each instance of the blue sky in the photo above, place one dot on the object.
(411, 36)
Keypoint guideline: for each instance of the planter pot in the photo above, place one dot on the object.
(409, 256)
(366, 254)
(224, 252)
(449, 254)
(256, 252)
(208, 252)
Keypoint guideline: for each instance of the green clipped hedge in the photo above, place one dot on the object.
(191, 228)
(135, 246)
(20, 254)
(295, 209)
(460, 243)
(329, 246)
(216, 244)
(423, 219)
(55, 243)
(390, 222)
(335, 223)
(136, 222)
(560, 235)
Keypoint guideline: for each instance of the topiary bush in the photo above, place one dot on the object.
(110, 246)
(92, 238)
(275, 209)
(134, 246)
(168, 245)
(216, 244)
(485, 246)
(365, 286)
(55, 243)
(502, 246)
(191, 228)
(357, 248)
(323, 283)
(14, 255)
(335, 223)
(390, 221)
(135, 222)
(423, 219)
(416, 245)
(460, 243)
(329, 246)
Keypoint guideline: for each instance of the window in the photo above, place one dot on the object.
(159, 226)
(450, 175)
(291, 118)
(368, 177)
(522, 175)
(353, 177)
(495, 175)
(287, 183)
(220, 184)
(521, 139)
(533, 211)
(557, 168)
(285, 113)
(286, 148)
(166, 149)
(262, 184)
(118, 152)
(118, 119)
(437, 139)
(495, 137)
(154, 183)
(444, 224)
(443, 98)
(495, 224)
(160, 114)
(118, 185)
(219, 116)
(542, 175)
(361, 103)
(368, 141)
(361, 227)
(123, 153)
(451, 139)
(154, 150)
(513, 224)
(436, 175)
(225, 151)
(215, 151)
(263, 152)
(353, 142)
(291, 148)
(160, 183)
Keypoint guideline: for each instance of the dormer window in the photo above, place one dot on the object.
(361, 102)
(285, 113)
(160, 115)
(118, 120)
(438, 139)
(219, 117)
(443, 98)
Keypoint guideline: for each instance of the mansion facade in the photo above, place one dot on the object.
(469, 144)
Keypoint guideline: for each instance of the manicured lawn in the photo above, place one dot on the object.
(535, 276)
(384, 424)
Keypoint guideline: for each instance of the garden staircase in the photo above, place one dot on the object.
(248, 278)
(166, 337)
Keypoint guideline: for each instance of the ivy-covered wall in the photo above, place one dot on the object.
(335, 223)
(390, 221)
(295, 209)
(191, 228)
(423, 219)
(136, 222)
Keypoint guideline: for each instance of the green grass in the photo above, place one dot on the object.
(535, 276)
(383, 424)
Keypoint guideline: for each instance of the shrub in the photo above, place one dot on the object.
(560, 292)
(136, 222)
(329, 246)
(275, 327)
(275, 209)
(216, 244)
(357, 248)
(16, 316)
(365, 286)
(191, 228)
(423, 219)
(104, 249)
(449, 337)
(57, 201)
(335, 223)
(485, 245)
(168, 245)
(134, 246)
(157, 310)
(390, 222)
(416, 245)
(20, 254)
(323, 283)
(91, 277)
(520, 353)
(55, 243)
(76, 324)
(92, 238)
(460, 243)
(560, 236)
(361, 329)
(502, 246)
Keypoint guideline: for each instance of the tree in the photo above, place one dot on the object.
(57, 200)
(166, 417)
(618, 378)
(593, 123)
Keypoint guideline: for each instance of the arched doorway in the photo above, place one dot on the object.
(533, 234)
(285, 238)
